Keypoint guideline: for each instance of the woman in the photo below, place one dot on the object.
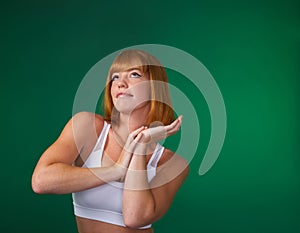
(121, 178)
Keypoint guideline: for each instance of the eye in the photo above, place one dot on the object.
(114, 77)
(135, 75)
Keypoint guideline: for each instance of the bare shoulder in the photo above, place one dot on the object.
(86, 128)
(87, 121)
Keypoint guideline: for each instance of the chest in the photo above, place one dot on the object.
(113, 150)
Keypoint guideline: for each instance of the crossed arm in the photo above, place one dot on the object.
(55, 173)
(143, 203)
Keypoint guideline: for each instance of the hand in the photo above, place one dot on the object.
(122, 164)
(154, 134)
(150, 136)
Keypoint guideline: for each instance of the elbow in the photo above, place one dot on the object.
(132, 223)
(38, 185)
(136, 222)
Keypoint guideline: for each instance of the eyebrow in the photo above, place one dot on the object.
(128, 70)
(134, 68)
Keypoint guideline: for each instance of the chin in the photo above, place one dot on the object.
(128, 107)
(124, 108)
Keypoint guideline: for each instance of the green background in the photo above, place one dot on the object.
(250, 47)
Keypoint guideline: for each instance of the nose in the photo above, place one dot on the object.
(121, 82)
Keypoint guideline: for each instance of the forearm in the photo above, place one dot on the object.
(138, 201)
(61, 178)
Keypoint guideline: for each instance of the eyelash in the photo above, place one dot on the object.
(136, 74)
(133, 73)
(113, 77)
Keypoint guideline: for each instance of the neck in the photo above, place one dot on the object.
(128, 122)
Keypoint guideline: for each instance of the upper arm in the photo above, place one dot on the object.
(170, 176)
(73, 140)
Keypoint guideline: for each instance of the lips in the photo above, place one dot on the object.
(123, 94)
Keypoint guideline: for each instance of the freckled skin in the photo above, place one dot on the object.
(136, 89)
(60, 171)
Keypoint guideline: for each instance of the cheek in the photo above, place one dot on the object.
(112, 94)
(144, 91)
(112, 91)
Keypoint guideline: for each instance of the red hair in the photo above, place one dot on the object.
(161, 107)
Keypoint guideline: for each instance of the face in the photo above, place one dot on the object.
(130, 90)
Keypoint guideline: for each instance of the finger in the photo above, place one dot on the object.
(173, 125)
(133, 134)
(138, 138)
(137, 131)
(176, 122)
(180, 118)
(135, 141)
(179, 122)
(132, 145)
(139, 146)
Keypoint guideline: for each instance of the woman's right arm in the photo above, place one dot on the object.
(54, 172)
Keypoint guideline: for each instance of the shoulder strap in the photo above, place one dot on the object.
(102, 137)
(94, 158)
(157, 153)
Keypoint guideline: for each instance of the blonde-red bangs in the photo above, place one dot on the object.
(128, 60)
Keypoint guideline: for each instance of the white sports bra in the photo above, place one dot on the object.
(104, 203)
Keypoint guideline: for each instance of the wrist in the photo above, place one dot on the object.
(138, 162)
(118, 172)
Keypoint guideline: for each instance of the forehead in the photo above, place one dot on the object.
(129, 60)
(129, 68)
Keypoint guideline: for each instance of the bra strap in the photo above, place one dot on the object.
(157, 153)
(102, 138)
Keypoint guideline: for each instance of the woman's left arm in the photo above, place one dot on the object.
(144, 202)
